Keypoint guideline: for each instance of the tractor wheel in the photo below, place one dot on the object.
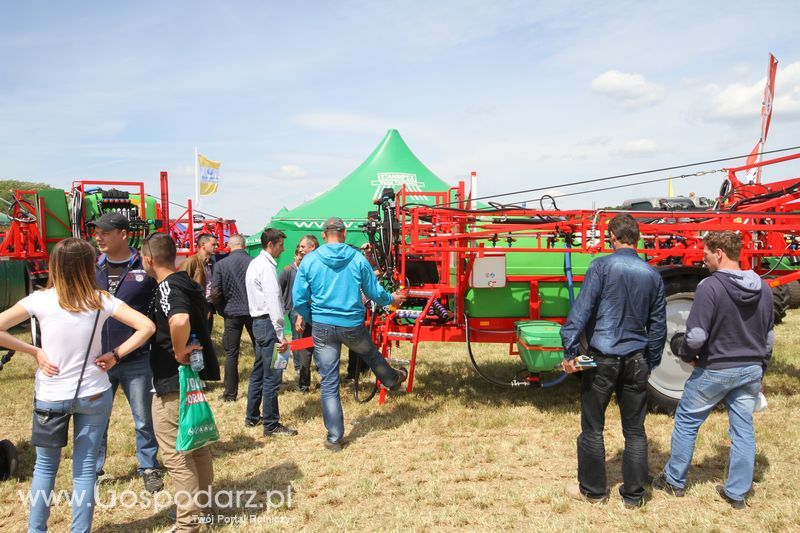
(780, 302)
(794, 294)
(666, 382)
(8, 460)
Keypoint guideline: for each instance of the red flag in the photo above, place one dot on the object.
(754, 174)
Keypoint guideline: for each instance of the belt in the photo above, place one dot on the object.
(597, 353)
(261, 316)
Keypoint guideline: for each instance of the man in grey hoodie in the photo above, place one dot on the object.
(728, 341)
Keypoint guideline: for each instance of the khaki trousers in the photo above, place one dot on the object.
(190, 472)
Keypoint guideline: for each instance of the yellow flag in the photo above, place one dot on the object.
(670, 192)
(209, 175)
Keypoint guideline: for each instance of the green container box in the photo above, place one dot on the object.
(513, 300)
(537, 341)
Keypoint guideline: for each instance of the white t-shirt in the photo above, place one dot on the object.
(65, 336)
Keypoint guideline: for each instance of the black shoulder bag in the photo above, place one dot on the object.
(51, 428)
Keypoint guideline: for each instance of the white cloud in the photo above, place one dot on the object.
(742, 100)
(637, 148)
(290, 171)
(630, 89)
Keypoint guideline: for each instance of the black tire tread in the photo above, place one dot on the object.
(794, 294)
(780, 302)
(660, 403)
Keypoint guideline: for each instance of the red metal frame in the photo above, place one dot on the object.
(27, 240)
(449, 235)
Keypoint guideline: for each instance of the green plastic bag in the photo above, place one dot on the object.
(196, 425)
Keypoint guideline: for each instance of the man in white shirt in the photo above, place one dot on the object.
(266, 308)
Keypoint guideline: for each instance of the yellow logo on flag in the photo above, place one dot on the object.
(209, 175)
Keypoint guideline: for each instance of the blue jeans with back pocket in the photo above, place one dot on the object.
(328, 340)
(88, 425)
(738, 388)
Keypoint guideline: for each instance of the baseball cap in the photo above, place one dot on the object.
(334, 224)
(111, 221)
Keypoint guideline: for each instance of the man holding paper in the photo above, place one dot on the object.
(622, 310)
(266, 309)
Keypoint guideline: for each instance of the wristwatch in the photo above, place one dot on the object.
(116, 355)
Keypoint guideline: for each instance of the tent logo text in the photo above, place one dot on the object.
(397, 180)
(305, 224)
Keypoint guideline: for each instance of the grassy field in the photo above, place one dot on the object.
(456, 454)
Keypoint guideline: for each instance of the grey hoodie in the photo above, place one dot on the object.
(731, 322)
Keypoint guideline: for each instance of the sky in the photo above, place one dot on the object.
(293, 96)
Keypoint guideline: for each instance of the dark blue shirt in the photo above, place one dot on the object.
(228, 291)
(135, 288)
(621, 307)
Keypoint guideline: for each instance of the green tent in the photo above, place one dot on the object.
(391, 164)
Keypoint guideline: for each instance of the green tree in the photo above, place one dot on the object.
(8, 186)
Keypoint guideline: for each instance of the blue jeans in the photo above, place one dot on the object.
(328, 342)
(88, 423)
(738, 388)
(262, 391)
(136, 379)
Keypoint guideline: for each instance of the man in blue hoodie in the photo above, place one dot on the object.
(120, 272)
(728, 341)
(328, 287)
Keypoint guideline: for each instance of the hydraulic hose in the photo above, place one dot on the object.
(6, 358)
(513, 383)
(480, 372)
(568, 270)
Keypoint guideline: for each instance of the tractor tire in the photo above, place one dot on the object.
(780, 302)
(665, 387)
(794, 294)
(8, 460)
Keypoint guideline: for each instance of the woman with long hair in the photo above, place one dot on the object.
(71, 312)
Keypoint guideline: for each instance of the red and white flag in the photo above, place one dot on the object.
(754, 174)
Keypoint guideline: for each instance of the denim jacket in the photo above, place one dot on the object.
(621, 307)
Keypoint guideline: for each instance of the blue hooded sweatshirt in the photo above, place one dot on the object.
(329, 284)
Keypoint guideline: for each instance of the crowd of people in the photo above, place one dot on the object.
(125, 319)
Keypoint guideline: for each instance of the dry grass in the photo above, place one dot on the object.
(455, 454)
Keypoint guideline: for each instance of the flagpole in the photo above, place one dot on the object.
(196, 180)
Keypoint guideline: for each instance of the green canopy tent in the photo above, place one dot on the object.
(391, 164)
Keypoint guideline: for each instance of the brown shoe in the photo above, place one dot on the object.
(573, 490)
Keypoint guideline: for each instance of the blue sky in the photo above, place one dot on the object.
(291, 97)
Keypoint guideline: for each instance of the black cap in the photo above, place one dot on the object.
(111, 221)
(334, 224)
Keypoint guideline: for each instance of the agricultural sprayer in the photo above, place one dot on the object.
(508, 274)
(41, 218)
